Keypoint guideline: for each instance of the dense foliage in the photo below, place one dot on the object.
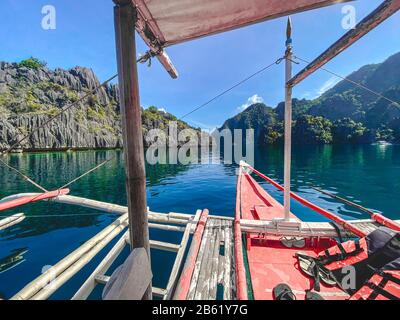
(32, 63)
(343, 114)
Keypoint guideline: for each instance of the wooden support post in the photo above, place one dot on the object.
(288, 119)
(125, 18)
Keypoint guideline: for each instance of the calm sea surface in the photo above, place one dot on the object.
(366, 174)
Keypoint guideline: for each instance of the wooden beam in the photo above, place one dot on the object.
(173, 277)
(380, 14)
(11, 220)
(165, 246)
(125, 18)
(88, 286)
(158, 292)
(182, 290)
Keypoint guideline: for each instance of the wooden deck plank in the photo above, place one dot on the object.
(202, 287)
(213, 268)
(197, 269)
(221, 258)
(213, 280)
(228, 284)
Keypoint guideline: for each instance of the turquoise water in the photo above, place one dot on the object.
(366, 174)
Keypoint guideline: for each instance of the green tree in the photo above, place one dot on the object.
(347, 130)
(312, 130)
(32, 63)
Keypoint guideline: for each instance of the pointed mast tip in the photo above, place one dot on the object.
(289, 28)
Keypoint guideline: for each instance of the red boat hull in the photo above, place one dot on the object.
(269, 261)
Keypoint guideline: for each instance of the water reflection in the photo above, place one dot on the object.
(367, 173)
(12, 260)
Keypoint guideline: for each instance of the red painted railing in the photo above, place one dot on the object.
(331, 216)
(183, 286)
(33, 198)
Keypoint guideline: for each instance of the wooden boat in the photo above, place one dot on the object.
(260, 221)
(270, 252)
(269, 261)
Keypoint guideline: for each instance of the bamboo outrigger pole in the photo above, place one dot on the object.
(288, 118)
(125, 19)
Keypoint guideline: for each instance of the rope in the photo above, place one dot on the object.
(143, 59)
(278, 61)
(87, 172)
(23, 175)
(353, 82)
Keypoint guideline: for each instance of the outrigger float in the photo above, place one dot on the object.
(264, 251)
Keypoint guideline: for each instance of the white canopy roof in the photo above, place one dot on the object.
(162, 23)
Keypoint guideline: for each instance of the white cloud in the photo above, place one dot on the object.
(252, 100)
(328, 85)
(162, 110)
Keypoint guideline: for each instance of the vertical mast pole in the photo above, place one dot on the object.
(125, 19)
(288, 118)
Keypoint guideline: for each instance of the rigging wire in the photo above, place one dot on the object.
(44, 124)
(88, 94)
(87, 172)
(141, 59)
(278, 61)
(25, 177)
(351, 81)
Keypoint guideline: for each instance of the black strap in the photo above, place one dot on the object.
(343, 252)
(337, 229)
(315, 270)
(357, 243)
(328, 258)
(389, 277)
(378, 290)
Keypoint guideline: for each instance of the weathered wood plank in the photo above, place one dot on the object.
(213, 280)
(202, 284)
(101, 279)
(166, 246)
(158, 292)
(196, 272)
(228, 263)
(178, 261)
(232, 280)
(222, 258)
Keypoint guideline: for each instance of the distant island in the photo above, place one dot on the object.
(344, 114)
(30, 93)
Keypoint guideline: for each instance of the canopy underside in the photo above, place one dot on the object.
(163, 23)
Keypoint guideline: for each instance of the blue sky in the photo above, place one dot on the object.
(85, 36)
